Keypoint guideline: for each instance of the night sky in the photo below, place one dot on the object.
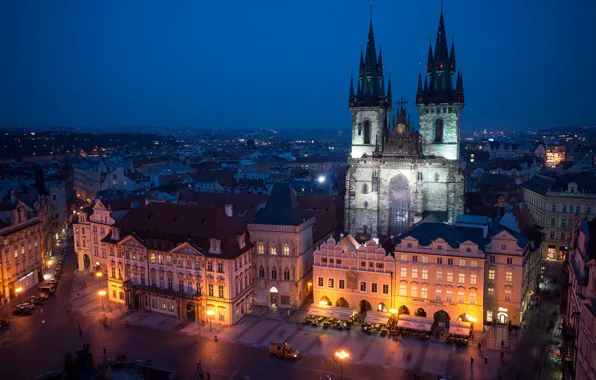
(284, 64)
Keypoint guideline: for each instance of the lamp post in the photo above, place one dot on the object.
(101, 294)
(393, 315)
(341, 355)
(99, 276)
(210, 313)
(18, 291)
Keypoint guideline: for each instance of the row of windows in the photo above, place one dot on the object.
(341, 284)
(461, 277)
(439, 260)
(403, 291)
(570, 209)
(273, 249)
(273, 273)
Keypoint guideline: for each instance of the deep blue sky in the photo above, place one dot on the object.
(284, 64)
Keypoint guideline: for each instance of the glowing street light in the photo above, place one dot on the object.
(321, 179)
(18, 291)
(341, 355)
(102, 293)
(210, 313)
(323, 303)
(99, 275)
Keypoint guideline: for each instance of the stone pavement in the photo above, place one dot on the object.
(84, 297)
(428, 357)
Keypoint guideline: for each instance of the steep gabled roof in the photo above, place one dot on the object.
(282, 208)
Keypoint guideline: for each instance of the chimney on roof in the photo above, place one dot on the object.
(229, 210)
(485, 230)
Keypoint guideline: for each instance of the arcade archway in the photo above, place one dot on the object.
(325, 301)
(342, 303)
(441, 319)
(382, 308)
(365, 306)
(403, 309)
(420, 313)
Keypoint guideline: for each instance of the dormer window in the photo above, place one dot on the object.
(439, 247)
(214, 246)
(241, 241)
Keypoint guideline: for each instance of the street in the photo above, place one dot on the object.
(240, 351)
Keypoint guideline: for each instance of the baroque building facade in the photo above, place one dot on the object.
(181, 260)
(473, 271)
(398, 175)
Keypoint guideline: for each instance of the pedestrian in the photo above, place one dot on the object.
(479, 346)
(503, 342)
(68, 311)
(502, 355)
(486, 359)
(80, 331)
(208, 376)
(198, 364)
(105, 352)
(471, 360)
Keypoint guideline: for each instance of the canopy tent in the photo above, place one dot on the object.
(341, 313)
(460, 328)
(377, 318)
(414, 323)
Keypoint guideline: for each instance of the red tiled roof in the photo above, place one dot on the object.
(180, 223)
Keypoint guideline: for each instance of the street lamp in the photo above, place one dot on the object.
(98, 275)
(18, 291)
(210, 313)
(341, 355)
(101, 294)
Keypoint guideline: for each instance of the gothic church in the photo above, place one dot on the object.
(399, 176)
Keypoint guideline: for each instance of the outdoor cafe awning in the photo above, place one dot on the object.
(457, 330)
(460, 328)
(377, 318)
(414, 323)
(341, 313)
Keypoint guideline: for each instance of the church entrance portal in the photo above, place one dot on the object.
(399, 195)
(86, 262)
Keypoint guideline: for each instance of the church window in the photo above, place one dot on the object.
(437, 177)
(286, 274)
(274, 273)
(365, 189)
(367, 131)
(365, 204)
(439, 130)
(286, 250)
(261, 248)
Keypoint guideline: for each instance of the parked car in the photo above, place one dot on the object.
(23, 309)
(43, 295)
(49, 288)
(36, 300)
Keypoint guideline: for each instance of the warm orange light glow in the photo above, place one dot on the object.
(323, 303)
(210, 313)
(102, 293)
(18, 290)
(341, 355)
(98, 274)
(393, 311)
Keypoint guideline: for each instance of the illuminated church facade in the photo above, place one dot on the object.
(398, 175)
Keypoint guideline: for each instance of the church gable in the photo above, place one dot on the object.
(99, 205)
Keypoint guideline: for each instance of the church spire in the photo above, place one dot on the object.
(452, 57)
(419, 89)
(351, 97)
(441, 50)
(430, 60)
(389, 95)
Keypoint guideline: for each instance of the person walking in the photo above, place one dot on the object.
(471, 360)
(80, 331)
(208, 376)
(486, 359)
(105, 352)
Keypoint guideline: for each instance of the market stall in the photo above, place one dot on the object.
(376, 317)
(330, 316)
(459, 333)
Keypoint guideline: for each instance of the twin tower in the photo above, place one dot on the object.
(399, 175)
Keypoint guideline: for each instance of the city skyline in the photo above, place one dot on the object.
(98, 65)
